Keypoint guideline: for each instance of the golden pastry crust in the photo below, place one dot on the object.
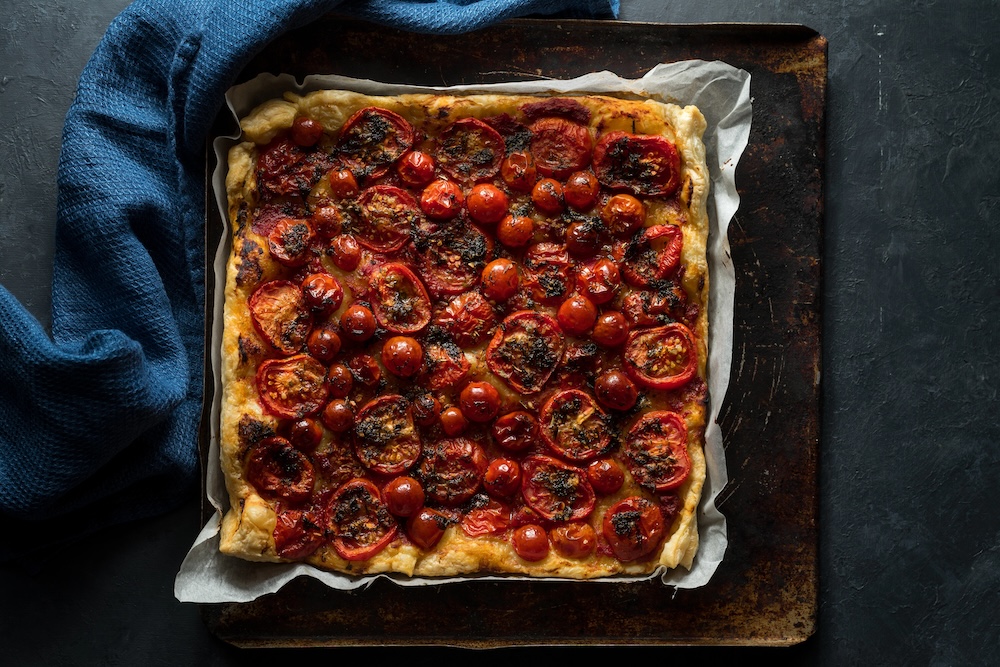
(248, 527)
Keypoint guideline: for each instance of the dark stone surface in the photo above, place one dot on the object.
(908, 532)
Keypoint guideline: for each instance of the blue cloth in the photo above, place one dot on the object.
(99, 424)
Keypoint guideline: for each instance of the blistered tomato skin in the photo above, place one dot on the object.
(516, 231)
(306, 131)
(345, 251)
(402, 356)
(574, 540)
(503, 477)
(531, 542)
(426, 527)
(416, 168)
(480, 402)
(500, 280)
(442, 200)
(357, 324)
(547, 196)
(487, 203)
(404, 496)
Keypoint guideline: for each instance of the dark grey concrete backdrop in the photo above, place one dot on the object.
(909, 460)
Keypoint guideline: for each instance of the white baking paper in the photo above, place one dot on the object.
(722, 93)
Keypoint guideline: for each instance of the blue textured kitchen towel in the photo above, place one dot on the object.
(99, 423)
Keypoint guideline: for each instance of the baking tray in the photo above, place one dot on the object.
(765, 591)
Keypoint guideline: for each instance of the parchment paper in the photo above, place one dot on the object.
(722, 92)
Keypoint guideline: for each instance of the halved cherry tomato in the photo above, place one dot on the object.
(547, 195)
(577, 315)
(404, 496)
(290, 241)
(503, 477)
(655, 451)
(574, 426)
(385, 439)
(387, 215)
(574, 540)
(581, 190)
(615, 390)
(360, 522)
(402, 356)
(468, 318)
(277, 470)
(662, 358)
(479, 401)
(297, 532)
(445, 364)
(652, 255)
(530, 542)
(487, 203)
(645, 164)
(525, 350)
(372, 140)
(633, 528)
(357, 323)
(599, 280)
(605, 475)
(416, 169)
(306, 131)
(516, 431)
(442, 200)
(322, 292)
(623, 214)
(560, 146)
(452, 470)
(279, 314)
(399, 300)
(516, 231)
(426, 527)
(518, 171)
(548, 272)
(292, 387)
(451, 257)
(489, 518)
(500, 279)
(469, 150)
(555, 490)
(610, 329)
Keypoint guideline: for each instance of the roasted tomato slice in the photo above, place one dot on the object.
(662, 358)
(490, 518)
(560, 146)
(574, 426)
(655, 451)
(525, 350)
(298, 532)
(290, 241)
(386, 440)
(451, 257)
(469, 150)
(371, 141)
(285, 168)
(647, 308)
(652, 255)
(388, 214)
(548, 272)
(452, 470)
(277, 470)
(645, 164)
(555, 490)
(280, 315)
(468, 318)
(360, 522)
(292, 387)
(633, 528)
(445, 363)
(398, 299)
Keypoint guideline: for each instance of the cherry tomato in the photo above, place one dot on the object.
(404, 496)
(560, 146)
(652, 255)
(525, 350)
(646, 308)
(555, 490)
(662, 358)
(322, 292)
(327, 221)
(577, 314)
(452, 470)
(581, 190)
(345, 251)
(487, 203)
(277, 470)
(530, 542)
(306, 131)
(365, 369)
(610, 329)
(583, 238)
(573, 426)
(633, 528)
(442, 200)
(372, 140)
(290, 241)
(357, 323)
(547, 195)
(360, 522)
(445, 365)
(479, 401)
(338, 416)
(402, 356)
(655, 451)
(285, 168)
(491, 518)
(516, 431)
(343, 185)
(468, 317)
(387, 215)
(426, 410)
(599, 280)
(304, 434)
(548, 272)
(518, 171)
(516, 231)
(340, 380)
(426, 527)
(416, 169)
(500, 279)
(503, 477)
(469, 150)
(280, 316)
(615, 390)
(623, 214)
(297, 532)
(292, 387)
(645, 164)
(451, 257)
(606, 476)
(399, 300)
(386, 441)
(453, 421)
(324, 343)
(574, 540)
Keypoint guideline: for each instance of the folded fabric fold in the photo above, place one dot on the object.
(101, 420)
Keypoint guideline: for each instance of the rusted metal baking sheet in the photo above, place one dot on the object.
(765, 591)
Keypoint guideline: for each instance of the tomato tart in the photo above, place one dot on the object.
(466, 335)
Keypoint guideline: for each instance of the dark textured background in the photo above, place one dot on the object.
(909, 531)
